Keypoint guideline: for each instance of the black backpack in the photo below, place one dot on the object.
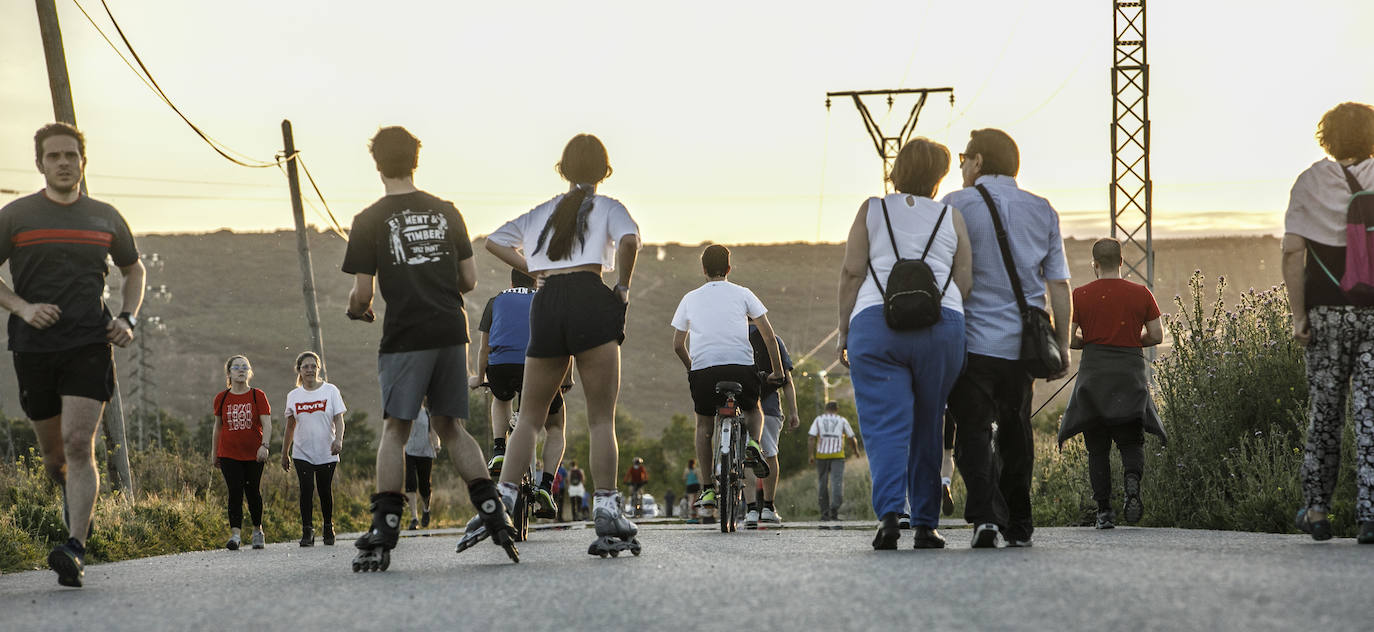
(912, 298)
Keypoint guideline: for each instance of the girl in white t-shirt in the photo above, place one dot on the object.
(568, 242)
(314, 439)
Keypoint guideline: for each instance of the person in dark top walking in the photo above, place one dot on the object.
(60, 330)
(773, 424)
(415, 248)
(1112, 320)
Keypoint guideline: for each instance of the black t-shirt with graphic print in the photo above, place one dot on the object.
(413, 243)
(57, 255)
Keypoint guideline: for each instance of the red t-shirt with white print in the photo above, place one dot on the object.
(240, 424)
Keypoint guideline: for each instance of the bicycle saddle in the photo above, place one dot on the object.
(729, 387)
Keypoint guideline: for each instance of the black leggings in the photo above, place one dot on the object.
(243, 479)
(1130, 440)
(418, 475)
(312, 476)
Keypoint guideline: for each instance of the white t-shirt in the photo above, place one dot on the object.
(912, 225)
(314, 414)
(1316, 204)
(607, 223)
(716, 319)
(830, 431)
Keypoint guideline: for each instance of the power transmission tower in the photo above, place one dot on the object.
(888, 146)
(1131, 191)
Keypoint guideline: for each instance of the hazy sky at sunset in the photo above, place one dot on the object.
(713, 112)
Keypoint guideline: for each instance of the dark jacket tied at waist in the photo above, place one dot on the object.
(1113, 388)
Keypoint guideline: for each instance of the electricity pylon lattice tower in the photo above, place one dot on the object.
(888, 146)
(1131, 190)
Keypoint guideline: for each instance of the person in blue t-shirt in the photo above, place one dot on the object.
(505, 328)
(772, 424)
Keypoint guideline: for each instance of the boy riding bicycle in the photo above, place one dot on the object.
(715, 319)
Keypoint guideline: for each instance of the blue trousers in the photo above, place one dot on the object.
(901, 381)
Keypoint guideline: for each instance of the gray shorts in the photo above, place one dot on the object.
(772, 427)
(410, 376)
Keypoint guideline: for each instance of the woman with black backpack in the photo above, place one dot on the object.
(243, 430)
(902, 335)
(1336, 325)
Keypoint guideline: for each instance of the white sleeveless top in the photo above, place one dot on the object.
(912, 225)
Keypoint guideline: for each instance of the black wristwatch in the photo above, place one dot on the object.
(129, 318)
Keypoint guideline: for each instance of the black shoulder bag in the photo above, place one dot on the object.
(1039, 344)
(912, 298)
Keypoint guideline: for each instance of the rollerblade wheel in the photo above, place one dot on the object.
(357, 567)
(615, 552)
(386, 560)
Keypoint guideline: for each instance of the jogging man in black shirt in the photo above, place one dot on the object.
(60, 330)
(415, 247)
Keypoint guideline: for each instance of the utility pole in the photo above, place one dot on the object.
(312, 309)
(1131, 189)
(64, 110)
(888, 146)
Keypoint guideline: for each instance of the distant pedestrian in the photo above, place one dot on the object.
(313, 442)
(421, 448)
(773, 424)
(903, 374)
(560, 490)
(637, 477)
(240, 440)
(668, 498)
(577, 491)
(60, 330)
(693, 483)
(826, 449)
(1017, 234)
(1112, 320)
(1337, 331)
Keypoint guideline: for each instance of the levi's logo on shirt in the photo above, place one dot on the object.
(310, 407)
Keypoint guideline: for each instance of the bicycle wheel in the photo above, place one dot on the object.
(737, 493)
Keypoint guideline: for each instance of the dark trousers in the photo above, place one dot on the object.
(996, 467)
(243, 478)
(312, 477)
(418, 475)
(1130, 440)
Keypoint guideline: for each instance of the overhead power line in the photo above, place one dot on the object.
(146, 77)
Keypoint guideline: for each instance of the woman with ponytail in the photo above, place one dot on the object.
(568, 242)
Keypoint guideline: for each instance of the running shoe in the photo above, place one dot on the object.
(708, 498)
(544, 505)
(1134, 508)
(751, 519)
(494, 465)
(1320, 530)
(1020, 544)
(233, 543)
(770, 516)
(424, 519)
(414, 524)
(1106, 519)
(985, 536)
(753, 457)
(69, 561)
(259, 540)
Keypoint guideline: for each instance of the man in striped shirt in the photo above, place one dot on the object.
(826, 447)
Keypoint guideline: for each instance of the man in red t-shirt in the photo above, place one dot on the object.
(1112, 320)
(637, 476)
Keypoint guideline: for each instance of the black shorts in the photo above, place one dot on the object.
(45, 377)
(705, 399)
(418, 470)
(694, 488)
(506, 380)
(572, 313)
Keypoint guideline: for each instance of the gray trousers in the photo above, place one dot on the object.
(830, 487)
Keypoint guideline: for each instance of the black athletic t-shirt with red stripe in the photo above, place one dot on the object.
(57, 255)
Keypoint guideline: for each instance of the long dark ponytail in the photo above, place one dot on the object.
(584, 164)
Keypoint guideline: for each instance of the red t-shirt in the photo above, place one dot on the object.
(1113, 311)
(240, 427)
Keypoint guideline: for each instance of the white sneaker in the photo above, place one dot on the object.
(770, 516)
(751, 519)
(903, 521)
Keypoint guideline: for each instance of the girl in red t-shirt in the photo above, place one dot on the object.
(243, 430)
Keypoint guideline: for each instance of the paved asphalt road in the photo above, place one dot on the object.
(796, 578)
